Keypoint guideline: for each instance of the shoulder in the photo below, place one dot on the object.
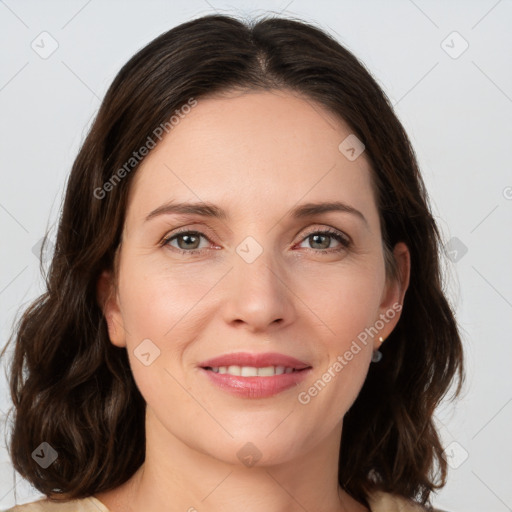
(385, 502)
(89, 504)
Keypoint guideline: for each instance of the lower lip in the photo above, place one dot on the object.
(256, 387)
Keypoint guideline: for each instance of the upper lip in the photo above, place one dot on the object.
(255, 360)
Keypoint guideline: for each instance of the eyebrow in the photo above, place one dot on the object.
(206, 209)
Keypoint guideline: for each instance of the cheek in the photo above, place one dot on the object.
(163, 310)
(347, 306)
(153, 313)
(345, 300)
(156, 301)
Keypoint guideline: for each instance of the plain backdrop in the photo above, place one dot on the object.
(446, 66)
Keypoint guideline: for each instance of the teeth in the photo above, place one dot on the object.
(251, 371)
(248, 371)
(234, 370)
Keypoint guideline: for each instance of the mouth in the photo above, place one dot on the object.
(253, 371)
(246, 364)
(255, 375)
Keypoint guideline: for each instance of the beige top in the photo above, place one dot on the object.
(379, 502)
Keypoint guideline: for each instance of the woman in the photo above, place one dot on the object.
(245, 306)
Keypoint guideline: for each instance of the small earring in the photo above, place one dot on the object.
(377, 354)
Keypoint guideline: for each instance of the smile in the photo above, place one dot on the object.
(252, 371)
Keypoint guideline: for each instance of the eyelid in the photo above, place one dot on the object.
(188, 229)
(330, 230)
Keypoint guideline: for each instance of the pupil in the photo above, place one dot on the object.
(315, 239)
(188, 238)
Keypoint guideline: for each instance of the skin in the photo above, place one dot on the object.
(256, 155)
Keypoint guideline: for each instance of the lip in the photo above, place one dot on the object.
(256, 360)
(255, 387)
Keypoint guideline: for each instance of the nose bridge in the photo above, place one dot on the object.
(256, 265)
(257, 293)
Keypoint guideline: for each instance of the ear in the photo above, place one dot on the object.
(394, 293)
(107, 299)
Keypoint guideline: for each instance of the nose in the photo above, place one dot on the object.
(258, 294)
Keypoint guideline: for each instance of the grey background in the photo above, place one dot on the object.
(456, 106)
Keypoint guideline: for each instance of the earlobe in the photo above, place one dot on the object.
(111, 325)
(107, 299)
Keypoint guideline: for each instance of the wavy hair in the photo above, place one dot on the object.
(74, 390)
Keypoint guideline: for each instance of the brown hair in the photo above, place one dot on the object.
(74, 390)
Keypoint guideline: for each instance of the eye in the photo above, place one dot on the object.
(319, 238)
(189, 244)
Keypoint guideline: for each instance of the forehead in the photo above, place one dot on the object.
(263, 151)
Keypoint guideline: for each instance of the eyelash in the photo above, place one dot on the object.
(344, 241)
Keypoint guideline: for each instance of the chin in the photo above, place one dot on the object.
(256, 448)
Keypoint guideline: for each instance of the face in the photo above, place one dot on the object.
(253, 272)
